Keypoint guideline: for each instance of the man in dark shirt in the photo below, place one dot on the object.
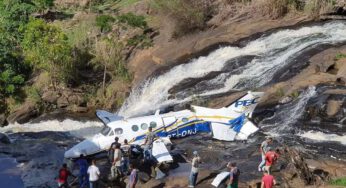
(111, 149)
(148, 143)
(83, 171)
(234, 175)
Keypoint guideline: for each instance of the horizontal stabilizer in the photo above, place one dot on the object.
(107, 117)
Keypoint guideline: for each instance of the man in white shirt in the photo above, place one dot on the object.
(194, 169)
(94, 174)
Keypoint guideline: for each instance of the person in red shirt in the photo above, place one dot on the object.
(64, 173)
(268, 180)
(271, 157)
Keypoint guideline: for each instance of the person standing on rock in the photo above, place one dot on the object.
(234, 175)
(116, 165)
(268, 180)
(148, 143)
(133, 178)
(64, 173)
(111, 149)
(126, 153)
(94, 174)
(196, 160)
(83, 171)
(271, 157)
(263, 149)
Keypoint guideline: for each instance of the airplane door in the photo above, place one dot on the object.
(168, 123)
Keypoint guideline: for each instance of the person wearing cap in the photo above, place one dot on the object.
(148, 143)
(234, 175)
(196, 160)
(263, 149)
(271, 157)
(111, 149)
(268, 180)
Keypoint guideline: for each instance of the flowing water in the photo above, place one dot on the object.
(271, 54)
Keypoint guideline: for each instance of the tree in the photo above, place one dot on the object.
(46, 48)
(108, 54)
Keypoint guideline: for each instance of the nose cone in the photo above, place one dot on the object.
(86, 147)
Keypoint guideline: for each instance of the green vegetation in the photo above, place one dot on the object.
(133, 20)
(104, 22)
(339, 182)
(340, 56)
(142, 41)
(46, 48)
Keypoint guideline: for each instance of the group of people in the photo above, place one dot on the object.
(88, 175)
(268, 156)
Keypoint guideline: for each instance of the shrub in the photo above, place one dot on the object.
(133, 20)
(278, 8)
(103, 21)
(143, 41)
(189, 15)
(316, 7)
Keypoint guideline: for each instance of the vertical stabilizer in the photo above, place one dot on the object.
(246, 104)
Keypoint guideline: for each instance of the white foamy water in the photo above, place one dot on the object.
(75, 128)
(323, 137)
(283, 120)
(272, 53)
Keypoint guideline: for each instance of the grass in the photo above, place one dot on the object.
(340, 56)
(104, 22)
(339, 182)
(126, 3)
(142, 41)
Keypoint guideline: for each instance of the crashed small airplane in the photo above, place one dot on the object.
(227, 124)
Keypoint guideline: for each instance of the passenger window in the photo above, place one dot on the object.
(135, 128)
(144, 126)
(184, 119)
(153, 124)
(118, 131)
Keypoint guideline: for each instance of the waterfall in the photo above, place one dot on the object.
(271, 53)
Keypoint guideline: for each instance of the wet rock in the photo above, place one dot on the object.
(4, 139)
(24, 113)
(285, 100)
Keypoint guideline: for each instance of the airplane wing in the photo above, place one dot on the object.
(160, 151)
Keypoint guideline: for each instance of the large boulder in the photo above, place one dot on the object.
(4, 139)
(24, 113)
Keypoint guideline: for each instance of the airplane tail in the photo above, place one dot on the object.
(231, 122)
(246, 104)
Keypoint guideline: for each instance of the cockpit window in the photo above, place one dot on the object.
(144, 126)
(153, 124)
(105, 130)
(118, 131)
(111, 133)
(135, 128)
